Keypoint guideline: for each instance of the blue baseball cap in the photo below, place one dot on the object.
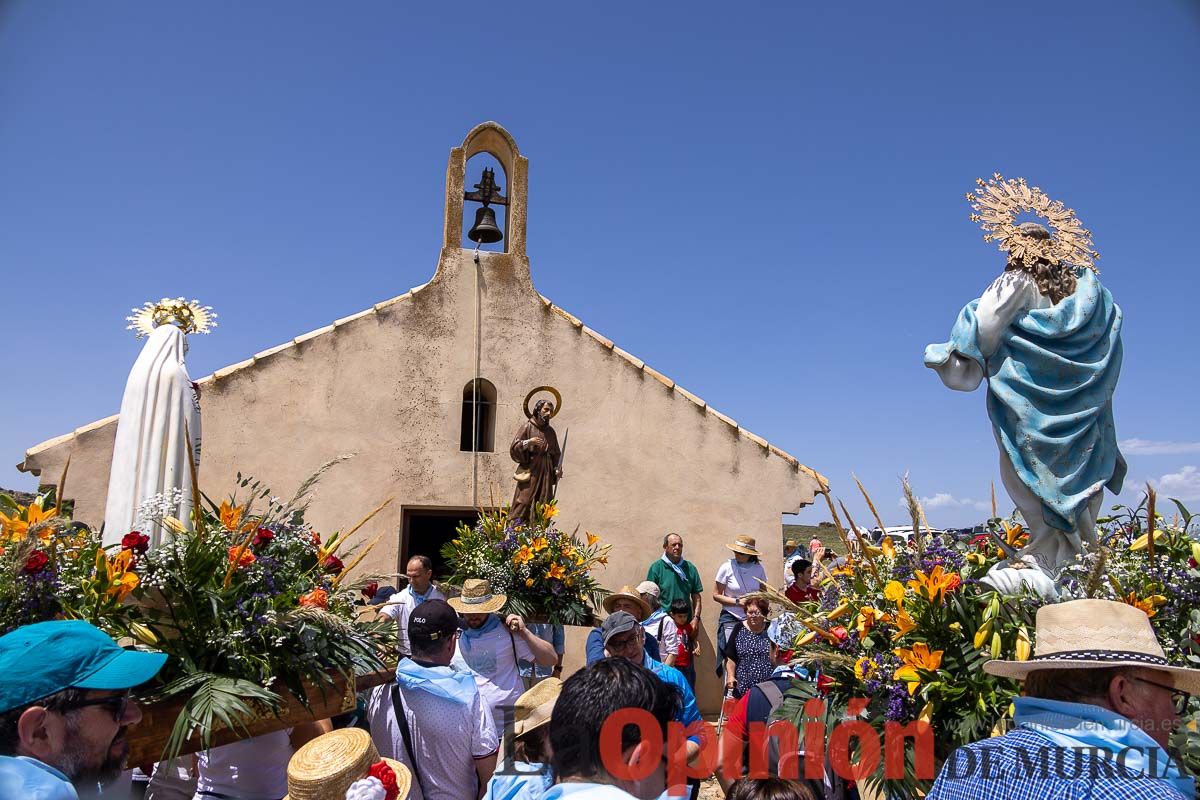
(40, 659)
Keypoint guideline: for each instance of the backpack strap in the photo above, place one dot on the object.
(512, 640)
(402, 721)
(771, 691)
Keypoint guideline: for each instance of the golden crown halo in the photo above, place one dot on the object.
(997, 202)
(188, 316)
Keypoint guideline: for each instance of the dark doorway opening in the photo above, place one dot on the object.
(426, 530)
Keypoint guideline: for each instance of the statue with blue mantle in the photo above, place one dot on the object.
(1046, 336)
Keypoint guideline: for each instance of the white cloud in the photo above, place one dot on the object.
(947, 500)
(1183, 485)
(1151, 447)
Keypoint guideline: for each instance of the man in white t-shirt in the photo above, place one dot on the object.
(420, 588)
(659, 624)
(490, 647)
(451, 743)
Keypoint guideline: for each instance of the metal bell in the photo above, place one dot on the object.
(485, 230)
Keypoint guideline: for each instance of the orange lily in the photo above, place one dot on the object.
(1148, 604)
(866, 619)
(917, 660)
(231, 515)
(934, 586)
(119, 577)
(556, 571)
(591, 538)
(523, 555)
(540, 544)
(904, 623)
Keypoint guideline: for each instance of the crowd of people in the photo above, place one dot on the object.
(478, 709)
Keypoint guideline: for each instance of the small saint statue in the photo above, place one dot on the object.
(539, 459)
(1046, 336)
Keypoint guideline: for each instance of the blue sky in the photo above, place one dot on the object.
(764, 202)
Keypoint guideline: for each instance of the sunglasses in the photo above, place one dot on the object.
(116, 704)
(1178, 697)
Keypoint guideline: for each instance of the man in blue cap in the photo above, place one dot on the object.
(65, 708)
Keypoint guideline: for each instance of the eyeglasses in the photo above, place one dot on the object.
(116, 704)
(1179, 697)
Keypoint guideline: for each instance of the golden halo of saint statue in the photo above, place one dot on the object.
(997, 202)
(551, 390)
(188, 316)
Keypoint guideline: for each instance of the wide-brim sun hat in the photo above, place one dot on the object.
(533, 708)
(325, 767)
(477, 598)
(628, 593)
(745, 545)
(1095, 634)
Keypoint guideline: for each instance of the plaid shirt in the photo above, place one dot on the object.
(1023, 765)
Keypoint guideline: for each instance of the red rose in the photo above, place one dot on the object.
(1192, 562)
(385, 775)
(332, 564)
(136, 541)
(263, 536)
(824, 683)
(370, 589)
(36, 562)
(841, 633)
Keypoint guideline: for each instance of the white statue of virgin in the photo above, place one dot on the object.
(159, 426)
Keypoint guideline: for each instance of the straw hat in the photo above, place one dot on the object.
(324, 768)
(629, 593)
(1095, 634)
(477, 598)
(744, 544)
(533, 708)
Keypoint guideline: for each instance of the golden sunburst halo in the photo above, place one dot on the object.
(188, 316)
(997, 202)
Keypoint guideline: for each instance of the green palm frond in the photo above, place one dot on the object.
(230, 702)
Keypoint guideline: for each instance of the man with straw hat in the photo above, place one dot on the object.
(1100, 702)
(345, 764)
(629, 600)
(492, 648)
(736, 577)
(432, 717)
(525, 772)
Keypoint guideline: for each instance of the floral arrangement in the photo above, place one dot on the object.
(545, 572)
(45, 559)
(246, 600)
(1159, 574)
(907, 627)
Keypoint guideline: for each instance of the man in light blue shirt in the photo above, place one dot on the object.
(65, 708)
(554, 634)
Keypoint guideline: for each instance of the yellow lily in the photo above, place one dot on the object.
(1143, 541)
(556, 571)
(887, 547)
(840, 611)
(539, 544)
(550, 511)
(591, 538)
(523, 555)
(121, 581)
(1024, 649)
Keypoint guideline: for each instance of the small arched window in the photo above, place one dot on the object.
(478, 417)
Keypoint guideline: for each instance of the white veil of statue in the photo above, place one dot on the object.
(160, 410)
